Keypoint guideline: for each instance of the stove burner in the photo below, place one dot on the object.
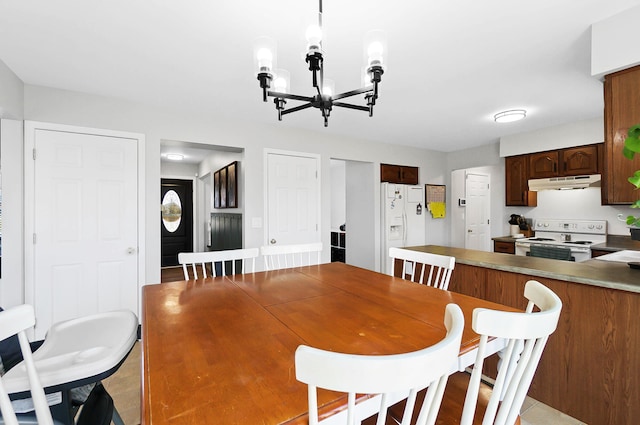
(541, 239)
(580, 242)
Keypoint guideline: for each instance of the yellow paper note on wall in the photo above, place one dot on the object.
(438, 209)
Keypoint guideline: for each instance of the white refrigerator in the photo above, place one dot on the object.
(402, 218)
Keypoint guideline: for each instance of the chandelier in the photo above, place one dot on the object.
(324, 99)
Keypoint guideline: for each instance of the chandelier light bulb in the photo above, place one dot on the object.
(375, 52)
(281, 81)
(314, 38)
(265, 59)
(329, 87)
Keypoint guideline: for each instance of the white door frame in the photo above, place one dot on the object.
(30, 128)
(265, 190)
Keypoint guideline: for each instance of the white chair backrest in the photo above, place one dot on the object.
(15, 321)
(384, 374)
(416, 262)
(286, 256)
(526, 335)
(246, 257)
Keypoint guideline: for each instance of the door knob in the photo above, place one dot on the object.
(469, 231)
(131, 250)
(272, 241)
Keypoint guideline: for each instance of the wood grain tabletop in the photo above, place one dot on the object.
(221, 350)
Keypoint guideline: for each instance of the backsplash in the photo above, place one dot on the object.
(582, 204)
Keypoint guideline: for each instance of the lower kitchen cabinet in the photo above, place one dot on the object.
(588, 363)
(504, 247)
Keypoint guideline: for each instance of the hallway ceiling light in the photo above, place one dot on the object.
(324, 99)
(510, 116)
(175, 156)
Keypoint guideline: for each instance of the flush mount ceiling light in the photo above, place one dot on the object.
(175, 156)
(325, 99)
(510, 116)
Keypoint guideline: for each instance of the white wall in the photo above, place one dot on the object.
(338, 194)
(59, 106)
(11, 94)
(457, 212)
(11, 147)
(362, 186)
(614, 43)
(581, 204)
(11, 152)
(170, 169)
(557, 137)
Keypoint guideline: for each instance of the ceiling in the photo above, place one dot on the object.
(452, 64)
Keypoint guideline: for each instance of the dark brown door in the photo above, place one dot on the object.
(176, 197)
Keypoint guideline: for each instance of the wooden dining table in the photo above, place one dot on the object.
(221, 350)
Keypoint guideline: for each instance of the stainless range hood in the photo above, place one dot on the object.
(560, 183)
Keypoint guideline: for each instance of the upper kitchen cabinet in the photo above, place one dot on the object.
(543, 164)
(621, 111)
(400, 174)
(581, 160)
(517, 182)
(576, 161)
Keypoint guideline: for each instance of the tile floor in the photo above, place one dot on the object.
(124, 387)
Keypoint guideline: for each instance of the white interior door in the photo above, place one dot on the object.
(293, 199)
(85, 225)
(477, 212)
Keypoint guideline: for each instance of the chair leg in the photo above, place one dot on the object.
(116, 419)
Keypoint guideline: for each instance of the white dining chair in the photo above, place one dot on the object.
(384, 375)
(526, 335)
(239, 260)
(15, 321)
(286, 256)
(414, 265)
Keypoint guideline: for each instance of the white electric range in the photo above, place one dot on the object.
(577, 235)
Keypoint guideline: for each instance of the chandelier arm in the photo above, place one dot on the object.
(290, 96)
(353, 92)
(297, 108)
(350, 106)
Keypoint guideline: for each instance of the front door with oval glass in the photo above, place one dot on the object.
(177, 219)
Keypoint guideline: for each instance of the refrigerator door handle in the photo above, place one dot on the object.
(404, 228)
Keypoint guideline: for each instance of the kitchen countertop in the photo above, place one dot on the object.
(606, 274)
(617, 243)
(508, 239)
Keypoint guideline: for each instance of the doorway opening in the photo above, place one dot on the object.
(198, 164)
(353, 212)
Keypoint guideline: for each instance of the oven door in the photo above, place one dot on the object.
(522, 248)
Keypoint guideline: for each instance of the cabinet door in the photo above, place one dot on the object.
(389, 173)
(621, 110)
(543, 164)
(580, 160)
(504, 247)
(409, 175)
(517, 181)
